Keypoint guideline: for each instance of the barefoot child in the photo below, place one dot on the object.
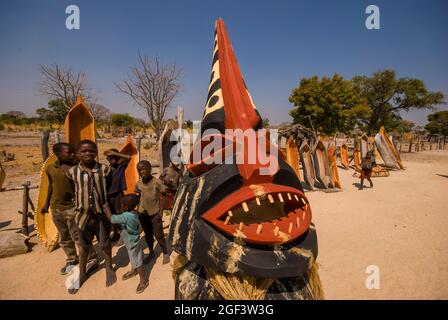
(118, 163)
(60, 199)
(150, 189)
(367, 164)
(89, 177)
(130, 234)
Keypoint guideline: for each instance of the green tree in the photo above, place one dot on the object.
(387, 96)
(265, 123)
(122, 120)
(13, 117)
(54, 113)
(405, 126)
(328, 105)
(438, 123)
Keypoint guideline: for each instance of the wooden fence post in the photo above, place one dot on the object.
(25, 202)
(44, 144)
(138, 140)
(410, 145)
(57, 137)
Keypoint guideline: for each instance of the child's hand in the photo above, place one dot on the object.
(109, 153)
(107, 211)
(44, 209)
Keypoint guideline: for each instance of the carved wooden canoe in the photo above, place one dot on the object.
(383, 146)
(79, 125)
(292, 155)
(131, 173)
(46, 230)
(344, 156)
(357, 158)
(392, 147)
(321, 165)
(307, 164)
(333, 166)
(364, 145)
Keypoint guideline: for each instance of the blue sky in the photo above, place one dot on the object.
(276, 44)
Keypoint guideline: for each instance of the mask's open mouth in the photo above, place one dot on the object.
(266, 214)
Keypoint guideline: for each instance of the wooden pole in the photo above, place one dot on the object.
(44, 144)
(26, 192)
(410, 145)
(180, 123)
(138, 140)
(57, 137)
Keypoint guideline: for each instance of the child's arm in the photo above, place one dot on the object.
(117, 154)
(162, 188)
(107, 211)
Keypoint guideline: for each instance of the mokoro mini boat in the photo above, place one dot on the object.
(333, 166)
(357, 159)
(382, 144)
(307, 164)
(344, 156)
(364, 145)
(321, 165)
(131, 173)
(79, 123)
(292, 155)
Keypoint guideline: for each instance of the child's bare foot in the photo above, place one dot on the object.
(141, 287)
(111, 277)
(82, 277)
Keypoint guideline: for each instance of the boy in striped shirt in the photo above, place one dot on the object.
(91, 180)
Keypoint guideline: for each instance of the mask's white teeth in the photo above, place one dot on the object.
(289, 196)
(296, 197)
(230, 213)
(276, 229)
(227, 220)
(298, 222)
(303, 215)
(303, 200)
(259, 228)
(270, 198)
(257, 200)
(290, 227)
(280, 197)
(241, 226)
(245, 207)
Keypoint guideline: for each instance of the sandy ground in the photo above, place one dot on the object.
(399, 225)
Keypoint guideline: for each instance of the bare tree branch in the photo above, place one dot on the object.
(65, 85)
(152, 86)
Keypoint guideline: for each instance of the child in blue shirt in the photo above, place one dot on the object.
(130, 233)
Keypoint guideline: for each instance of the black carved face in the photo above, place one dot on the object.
(199, 230)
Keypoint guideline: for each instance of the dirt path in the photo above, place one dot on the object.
(399, 225)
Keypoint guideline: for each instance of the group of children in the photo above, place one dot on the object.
(86, 199)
